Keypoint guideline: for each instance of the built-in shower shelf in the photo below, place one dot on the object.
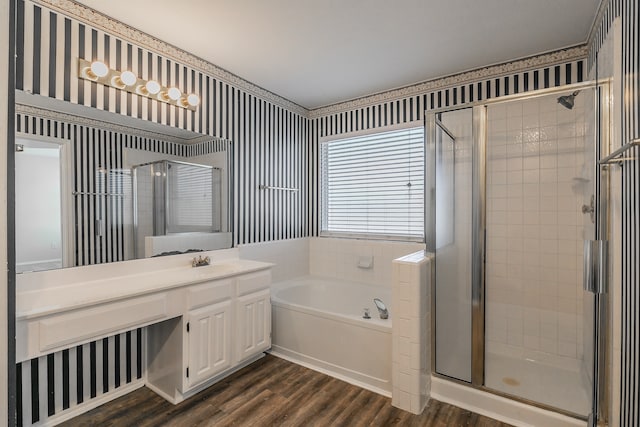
(616, 156)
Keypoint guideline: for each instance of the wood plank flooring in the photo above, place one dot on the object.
(274, 392)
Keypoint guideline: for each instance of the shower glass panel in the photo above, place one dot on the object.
(539, 322)
(452, 154)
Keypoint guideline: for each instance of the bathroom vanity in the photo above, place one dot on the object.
(202, 323)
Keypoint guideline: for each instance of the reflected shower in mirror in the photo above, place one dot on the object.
(76, 191)
(176, 208)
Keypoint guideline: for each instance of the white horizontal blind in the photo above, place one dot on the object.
(192, 192)
(374, 184)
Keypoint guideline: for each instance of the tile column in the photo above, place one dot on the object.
(411, 332)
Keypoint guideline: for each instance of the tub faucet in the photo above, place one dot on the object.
(382, 309)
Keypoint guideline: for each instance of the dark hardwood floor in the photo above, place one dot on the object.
(274, 392)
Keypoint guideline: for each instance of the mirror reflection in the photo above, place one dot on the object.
(96, 195)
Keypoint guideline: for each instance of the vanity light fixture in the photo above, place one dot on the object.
(99, 72)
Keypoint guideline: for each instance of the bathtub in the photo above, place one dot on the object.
(317, 322)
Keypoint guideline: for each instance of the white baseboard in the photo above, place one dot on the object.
(91, 404)
(325, 368)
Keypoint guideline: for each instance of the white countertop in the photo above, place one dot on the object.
(54, 298)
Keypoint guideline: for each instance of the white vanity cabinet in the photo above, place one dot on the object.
(209, 342)
(254, 324)
(227, 324)
(201, 324)
(208, 330)
(253, 314)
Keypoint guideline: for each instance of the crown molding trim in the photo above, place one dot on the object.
(144, 40)
(111, 26)
(480, 74)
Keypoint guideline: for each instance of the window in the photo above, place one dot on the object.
(373, 185)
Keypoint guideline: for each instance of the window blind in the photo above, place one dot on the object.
(374, 184)
(194, 198)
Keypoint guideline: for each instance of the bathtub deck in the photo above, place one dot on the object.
(274, 392)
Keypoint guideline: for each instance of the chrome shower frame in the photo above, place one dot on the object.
(601, 186)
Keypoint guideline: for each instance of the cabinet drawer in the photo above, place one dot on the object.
(59, 330)
(209, 293)
(253, 282)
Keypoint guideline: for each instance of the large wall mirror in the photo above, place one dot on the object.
(96, 190)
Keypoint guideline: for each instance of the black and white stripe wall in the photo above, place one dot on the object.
(629, 13)
(52, 388)
(269, 132)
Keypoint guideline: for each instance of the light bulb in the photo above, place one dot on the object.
(100, 69)
(174, 93)
(153, 87)
(193, 99)
(128, 78)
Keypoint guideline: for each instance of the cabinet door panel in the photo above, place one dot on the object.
(209, 341)
(254, 324)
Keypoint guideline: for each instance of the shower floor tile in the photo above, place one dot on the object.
(547, 384)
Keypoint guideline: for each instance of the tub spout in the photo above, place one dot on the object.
(382, 309)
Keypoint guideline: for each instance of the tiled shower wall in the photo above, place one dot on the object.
(535, 184)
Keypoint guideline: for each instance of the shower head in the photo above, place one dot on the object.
(567, 101)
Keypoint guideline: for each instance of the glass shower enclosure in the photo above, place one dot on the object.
(171, 198)
(517, 192)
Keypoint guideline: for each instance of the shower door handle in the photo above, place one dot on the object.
(594, 277)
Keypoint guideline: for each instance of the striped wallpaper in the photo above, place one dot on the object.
(50, 385)
(270, 141)
(629, 12)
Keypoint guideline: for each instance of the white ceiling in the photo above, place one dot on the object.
(319, 52)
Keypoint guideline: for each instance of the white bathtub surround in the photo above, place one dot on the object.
(317, 322)
(290, 258)
(346, 258)
(411, 355)
(321, 287)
